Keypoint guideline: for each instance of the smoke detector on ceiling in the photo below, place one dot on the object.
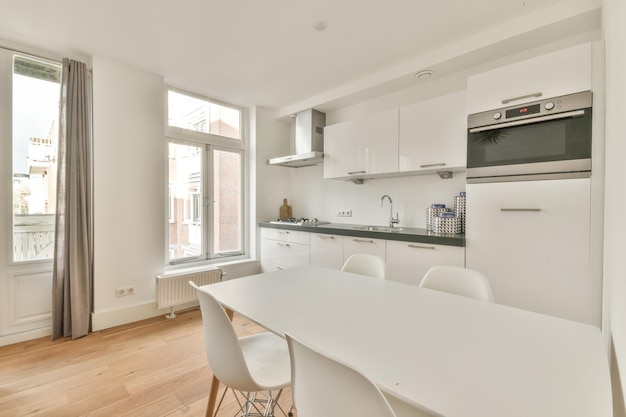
(424, 74)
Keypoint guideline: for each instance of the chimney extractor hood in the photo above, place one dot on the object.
(309, 137)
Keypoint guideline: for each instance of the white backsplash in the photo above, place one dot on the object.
(313, 196)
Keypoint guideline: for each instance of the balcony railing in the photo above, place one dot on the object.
(33, 237)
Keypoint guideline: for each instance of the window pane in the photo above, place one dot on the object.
(199, 115)
(36, 90)
(227, 207)
(185, 225)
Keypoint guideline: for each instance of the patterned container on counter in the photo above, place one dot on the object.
(447, 223)
(432, 212)
(459, 209)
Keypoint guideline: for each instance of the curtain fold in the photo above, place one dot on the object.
(72, 279)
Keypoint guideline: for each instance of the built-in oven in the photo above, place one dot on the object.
(545, 139)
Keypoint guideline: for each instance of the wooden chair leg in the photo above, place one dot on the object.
(215, 383)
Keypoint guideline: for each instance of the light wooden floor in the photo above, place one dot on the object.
(156, 367)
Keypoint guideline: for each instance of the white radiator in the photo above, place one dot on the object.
(174, 289)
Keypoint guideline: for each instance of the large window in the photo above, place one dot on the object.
(205, 179)
(35, 113)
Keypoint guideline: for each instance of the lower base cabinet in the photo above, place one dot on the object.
(408, 262)
(281, 249)
(327, 250)
(352, 245)
(405, 261)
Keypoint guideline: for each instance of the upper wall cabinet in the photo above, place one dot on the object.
(362, 148)
(555, 74)
(433, 134)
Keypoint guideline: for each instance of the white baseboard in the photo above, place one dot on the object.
(100, 321)
(11, 339)
(107, 319)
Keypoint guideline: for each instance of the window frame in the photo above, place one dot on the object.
(209, 142)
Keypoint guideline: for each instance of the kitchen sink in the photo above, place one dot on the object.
(380, 228)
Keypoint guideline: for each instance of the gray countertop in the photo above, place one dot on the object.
(405, 234)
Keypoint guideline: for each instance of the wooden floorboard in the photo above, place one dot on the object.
(156, 367)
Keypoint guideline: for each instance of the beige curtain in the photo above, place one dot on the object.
(72, 280)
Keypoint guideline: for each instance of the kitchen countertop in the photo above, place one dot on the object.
(405, 234)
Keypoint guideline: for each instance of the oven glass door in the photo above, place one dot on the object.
(546, 141)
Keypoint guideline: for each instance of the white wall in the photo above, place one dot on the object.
(614, 16)
(129, 190)
(272, 185)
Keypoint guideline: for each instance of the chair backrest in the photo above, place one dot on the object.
(365, 264)
(457, 280)
(322, 386)
(222, 346)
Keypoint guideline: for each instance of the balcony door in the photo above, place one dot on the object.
(29, 91)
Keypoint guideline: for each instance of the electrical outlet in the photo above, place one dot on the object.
(344, 213)
(123, 292)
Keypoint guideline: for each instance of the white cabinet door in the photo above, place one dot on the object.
(531, 240)
(433, 134)
(352, 245)
(563, 72)
(408, 262)
(282, 249)
(327, 250)
(363, 147)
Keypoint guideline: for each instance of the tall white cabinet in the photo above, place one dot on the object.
(555, 74)
(532, 240)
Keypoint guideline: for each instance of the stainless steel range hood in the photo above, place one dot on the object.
(309, 141)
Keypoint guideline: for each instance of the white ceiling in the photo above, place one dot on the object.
(268, 53)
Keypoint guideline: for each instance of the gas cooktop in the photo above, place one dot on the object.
(300, 221)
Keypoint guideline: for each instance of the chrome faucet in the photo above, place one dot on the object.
(392, 220)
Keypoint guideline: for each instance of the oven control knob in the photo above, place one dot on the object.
(549, 105)
(497, 115)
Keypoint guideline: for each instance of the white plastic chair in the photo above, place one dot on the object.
(323, 387)
(250, 364)
(457, 280)
(365, 264)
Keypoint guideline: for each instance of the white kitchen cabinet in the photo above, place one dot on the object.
(408, 261)
(282, 249)
(531, 240)
(353, 244)
(362, 148)
(433, 134)
(327, 250)
(554, 74)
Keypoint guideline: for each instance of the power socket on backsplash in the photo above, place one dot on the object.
(344, 213)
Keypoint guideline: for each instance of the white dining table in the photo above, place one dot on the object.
(430, 352)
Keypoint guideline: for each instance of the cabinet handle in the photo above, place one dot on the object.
(520, 209)
(326, 236)
(421, 247)
(362, 240)
(356, 172)
(442, 164)
(508, 100)
(282, 244)
(283, 233)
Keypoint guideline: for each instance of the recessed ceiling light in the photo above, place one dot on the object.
(320, 26)
(423, 74)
